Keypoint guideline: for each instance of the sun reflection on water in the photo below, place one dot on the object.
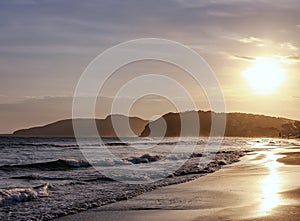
(270, 197)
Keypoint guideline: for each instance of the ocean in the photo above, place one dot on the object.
(45, 178)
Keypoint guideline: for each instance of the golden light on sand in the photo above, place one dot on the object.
(265, 75)
(270, 185)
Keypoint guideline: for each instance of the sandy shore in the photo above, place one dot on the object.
(262, 186)
(289, 212)
(290, 158)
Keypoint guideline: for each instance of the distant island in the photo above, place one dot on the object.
(237, 125)
(64, 128)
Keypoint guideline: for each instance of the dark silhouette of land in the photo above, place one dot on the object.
(105, 127)
(237, 125)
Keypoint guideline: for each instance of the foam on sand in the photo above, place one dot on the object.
(12, 196)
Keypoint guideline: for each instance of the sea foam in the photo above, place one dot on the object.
(12, 196)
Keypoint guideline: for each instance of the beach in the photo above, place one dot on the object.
(149, 110)
(57, 180)
(263, 185)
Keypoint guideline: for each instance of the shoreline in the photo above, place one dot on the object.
(290, 211)
(258, 187)
(98, 197)
(290, 158)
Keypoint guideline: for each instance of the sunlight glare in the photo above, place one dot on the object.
(271, 185)
(265, 76)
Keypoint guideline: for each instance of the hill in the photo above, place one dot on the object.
(64, 128)
(237, 125)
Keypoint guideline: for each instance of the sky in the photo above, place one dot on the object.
(45, 45)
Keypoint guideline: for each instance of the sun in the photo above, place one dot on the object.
(265, 75)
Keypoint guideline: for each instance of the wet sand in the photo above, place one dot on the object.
(290, 158)
(262, 186)
(287, 213)
(290, 212)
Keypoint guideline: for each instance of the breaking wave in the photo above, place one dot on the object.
(51, 165)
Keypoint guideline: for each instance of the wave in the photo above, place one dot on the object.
(146, 158)
(105, 143)
(49, 145)
(12, 196)
(51, 165)
(63, 194)
(48, 178)
(166, 143)
(37, 177)
(11, 145)
(184, 156)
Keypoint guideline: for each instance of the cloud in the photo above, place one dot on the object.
(243, 58)
(251, 40)
(259, 42)
(289, 46)
(268, 43)
(289, 59)
(292, 59)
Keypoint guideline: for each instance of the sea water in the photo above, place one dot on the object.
(44, 178)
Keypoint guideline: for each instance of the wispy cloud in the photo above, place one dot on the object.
(264, 42)
(243, 58)
(293, 57)
(268, 43)
(289, 46)
(290, 59)
(252, 39)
